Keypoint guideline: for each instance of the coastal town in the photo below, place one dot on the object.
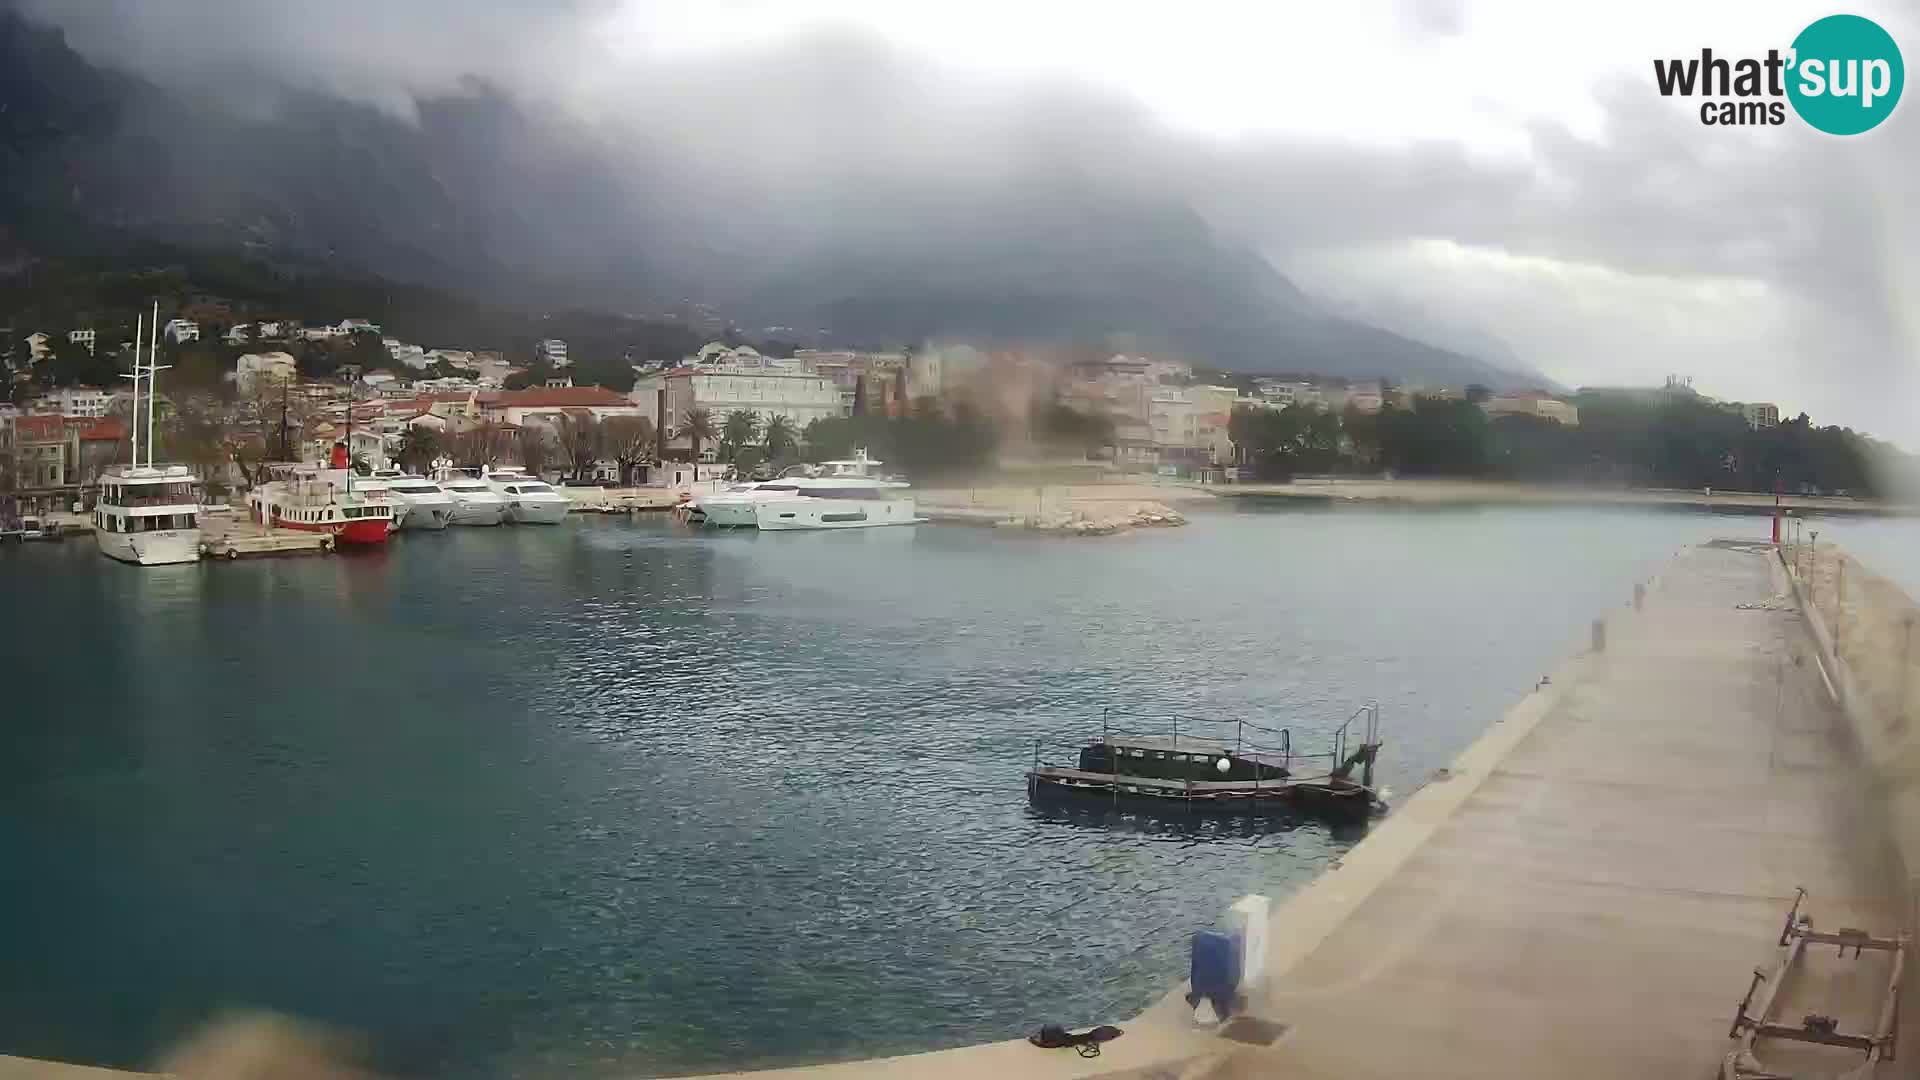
(724, 409)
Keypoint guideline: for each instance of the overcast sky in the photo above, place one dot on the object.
(1458, 168)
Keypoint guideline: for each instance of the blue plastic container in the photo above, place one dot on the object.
(1216, 970)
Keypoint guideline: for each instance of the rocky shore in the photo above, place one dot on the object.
(1081, 510)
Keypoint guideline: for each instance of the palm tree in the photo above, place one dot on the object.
(738, 432)
(780, 436)
(419, 447)
(697, 428)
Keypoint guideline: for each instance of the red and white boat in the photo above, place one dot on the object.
(322, 498)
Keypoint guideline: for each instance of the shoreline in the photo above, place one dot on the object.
(1438, 492)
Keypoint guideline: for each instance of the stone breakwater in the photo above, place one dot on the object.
(1076, 510)
(1105, 520)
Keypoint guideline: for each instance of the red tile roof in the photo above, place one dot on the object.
(109, 429)
(560, 397)
(39, 427)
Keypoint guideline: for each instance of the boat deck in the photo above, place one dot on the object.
(1198, 787)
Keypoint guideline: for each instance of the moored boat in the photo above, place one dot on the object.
(529, 500)
(427, 506)
(322, 499)
(1207, 774)
(148, 515)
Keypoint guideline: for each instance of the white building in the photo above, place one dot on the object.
(546, 406)
(81, 337)
(254, 371)
(237, 334)
(320, 333)
(180, 330)
(270, 330)
(552, 352)
(457, 358)
(412, 356)
(356, 326)
(1533, 403)
(800, 396)
(39, 346)
(75, 401)
(1761, 414)
(1191, 422)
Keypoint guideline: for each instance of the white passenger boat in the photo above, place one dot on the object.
(529, 500)
(147, 514)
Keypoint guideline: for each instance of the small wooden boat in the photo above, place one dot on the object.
(1204, 774)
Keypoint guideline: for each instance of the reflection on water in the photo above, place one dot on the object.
(618, 797)
(1185, 826)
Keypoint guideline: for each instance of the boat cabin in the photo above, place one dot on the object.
(1177, 758)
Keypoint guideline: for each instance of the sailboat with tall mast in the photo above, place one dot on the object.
(147, 514)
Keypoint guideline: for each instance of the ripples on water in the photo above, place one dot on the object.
(614, 796)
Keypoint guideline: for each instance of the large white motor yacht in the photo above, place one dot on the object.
(530, 501)
(836, 502)
(737, 506)
(427, 506)
(733, 507)
(474, 503)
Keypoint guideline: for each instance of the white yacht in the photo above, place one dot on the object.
(530, 501)
(427, 506)
(733, 507)
(147, 514)
(474, 503)
(836, 502)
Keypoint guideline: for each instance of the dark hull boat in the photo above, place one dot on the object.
(1198, 774)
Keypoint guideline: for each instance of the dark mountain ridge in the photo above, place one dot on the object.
(484, 196)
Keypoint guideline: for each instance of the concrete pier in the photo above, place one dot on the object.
(1586, 893)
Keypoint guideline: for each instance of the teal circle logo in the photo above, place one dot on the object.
(1846, 75)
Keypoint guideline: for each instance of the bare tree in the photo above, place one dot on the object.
(533, 446)
(629, 441)
(196, 434)
(582, 442)
(484, 443)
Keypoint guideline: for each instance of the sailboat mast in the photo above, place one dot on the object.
(139, 331)
(153, 360)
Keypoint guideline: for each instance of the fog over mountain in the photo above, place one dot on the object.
(844, 173)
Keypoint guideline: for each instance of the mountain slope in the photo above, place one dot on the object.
(480, 195)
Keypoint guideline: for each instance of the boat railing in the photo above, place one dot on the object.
(1251, 739)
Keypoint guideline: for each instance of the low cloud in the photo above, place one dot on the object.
(1767, 263)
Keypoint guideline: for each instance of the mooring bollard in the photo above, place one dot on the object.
(1639, 596)
(1599, 635)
